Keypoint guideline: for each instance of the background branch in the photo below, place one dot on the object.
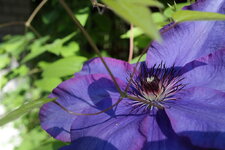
(131, 49)
(91, 42)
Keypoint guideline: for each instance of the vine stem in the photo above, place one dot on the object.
(12, 24)
(34, 13)
(89, 39)
(131, 49)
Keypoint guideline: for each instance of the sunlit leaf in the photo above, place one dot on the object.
(70, 49)
(22, 70)
(147, 3)
(47, 84)
(158, 19)
(36, 48)
(16, 44)
(57, 45)
(39, 46)
(23, 109)
(64, 67)
(4, 60)
(82, 15)
(136, 59)
(187, 15)
(136, 32)
(138, 15)
(168, 12)
(3, 81)
(29, 143)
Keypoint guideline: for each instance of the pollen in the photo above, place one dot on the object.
(150, 79)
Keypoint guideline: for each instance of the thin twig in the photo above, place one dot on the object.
(100, 7)
(131, 49)
(12, 24)
(89, 39)
(96, 4)
(27, 24)
(34, 30)
(20, 23)
(30, 19)
(34, 13)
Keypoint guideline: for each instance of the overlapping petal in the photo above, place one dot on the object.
(122, 127)
(207, 71)
(119, 68)
(185, 42)
(199, 116)
(133, 132)
(88, 93)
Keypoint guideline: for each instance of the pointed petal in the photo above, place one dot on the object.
(207, 71)
(199, 115)
(187, 41)
(90, 93)
(133, 132)
(119, 68)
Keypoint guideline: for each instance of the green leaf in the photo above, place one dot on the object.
(4, 60)
(21, 70)
(158, 18)
(70, 49)
(29, 143)
(64, 67)
(147, 3)
(136, 31)
(188, 15)
(47, 84)
(82, 15)
(57, 45)
(141, 42)
(168, 12)
(23, 109)
(139, 15)
(39, 47)
(3, 81)
(136, 59)
(16, 44)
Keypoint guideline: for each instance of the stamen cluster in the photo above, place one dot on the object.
(156, 85)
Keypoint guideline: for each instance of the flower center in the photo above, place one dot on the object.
(156, 86)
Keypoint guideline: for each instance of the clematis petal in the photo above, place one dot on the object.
(190, 40)
(89, 143)
(207, 71)
(199, 116)
(119, 68)
(113, 130)
(133, 132)
(89, 93)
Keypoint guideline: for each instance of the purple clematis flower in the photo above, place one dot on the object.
(181, 87)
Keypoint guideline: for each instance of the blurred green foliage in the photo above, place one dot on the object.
(36, 65)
